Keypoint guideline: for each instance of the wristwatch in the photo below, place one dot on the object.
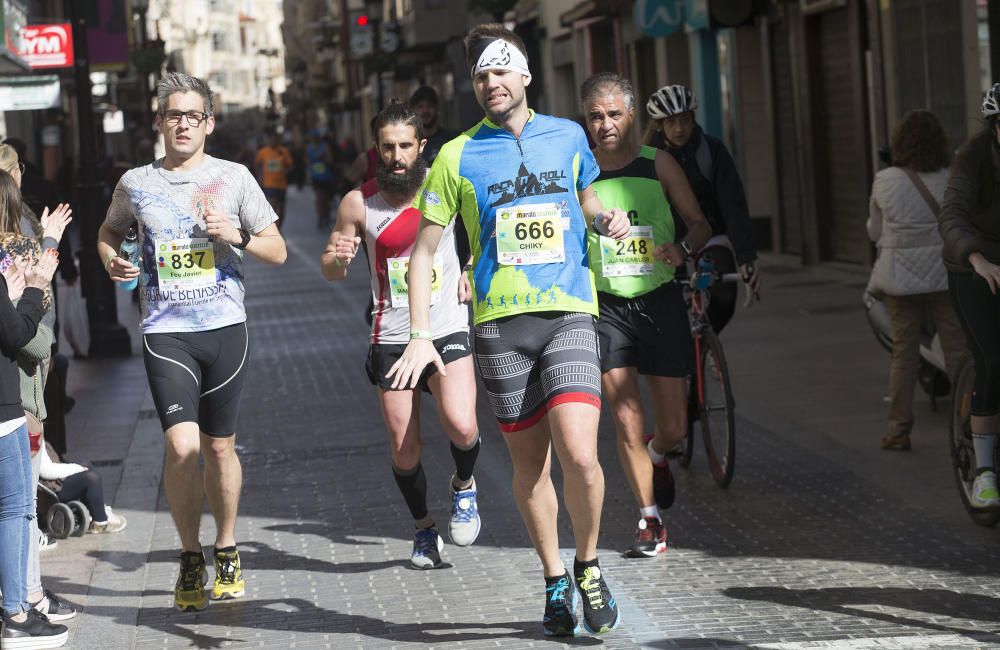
(244, 239)
(686, 248)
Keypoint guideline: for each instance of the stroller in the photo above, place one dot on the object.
(61, 519)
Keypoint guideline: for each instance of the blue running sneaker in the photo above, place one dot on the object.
(463, 528)
(560, 607)
(600, 611)
(427, 545)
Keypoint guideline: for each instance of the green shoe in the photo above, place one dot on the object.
(984, 490)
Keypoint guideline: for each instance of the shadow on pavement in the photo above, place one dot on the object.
(850, 601)
(257, 555)
(299, 615)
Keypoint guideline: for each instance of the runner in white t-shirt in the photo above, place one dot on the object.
(195, 216)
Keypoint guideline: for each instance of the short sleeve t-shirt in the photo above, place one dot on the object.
(188, 283)
(274, 163)
(531, 181)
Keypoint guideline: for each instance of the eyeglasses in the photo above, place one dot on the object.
(194, 118)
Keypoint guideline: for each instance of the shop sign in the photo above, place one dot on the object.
(47, 46)
(30, 93)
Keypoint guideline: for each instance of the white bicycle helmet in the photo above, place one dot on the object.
(671, 100)
(991, 101)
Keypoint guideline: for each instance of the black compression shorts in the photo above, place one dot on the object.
(198, 376)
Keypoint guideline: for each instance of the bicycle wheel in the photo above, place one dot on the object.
(963, 455)
(716, 411)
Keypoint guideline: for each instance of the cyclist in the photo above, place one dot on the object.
(970, 227)
(380, 213)
(521, 183)
(196, 217)
(710, 170)
(643, 327)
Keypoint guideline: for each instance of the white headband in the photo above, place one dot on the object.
(499, 54)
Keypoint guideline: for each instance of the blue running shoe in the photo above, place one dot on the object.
(560, 608)
(427, 545)
(463, 528)
(600, 611)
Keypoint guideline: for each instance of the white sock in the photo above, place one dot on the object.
(649, 511)
(984, 444)
(657, 458)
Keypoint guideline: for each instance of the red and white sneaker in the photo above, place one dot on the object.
(650, 538)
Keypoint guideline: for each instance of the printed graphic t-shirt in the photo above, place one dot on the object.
(486, 172)
(187, 282)
(274, 161)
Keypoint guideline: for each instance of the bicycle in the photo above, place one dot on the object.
(714, 394)
(963, 455)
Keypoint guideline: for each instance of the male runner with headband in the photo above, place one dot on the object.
(196, 217)
(521, 183)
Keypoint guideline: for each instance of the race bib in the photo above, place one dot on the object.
(185, 263)
(630, 256)
(530, 234)
(274, 165)
(399, 271)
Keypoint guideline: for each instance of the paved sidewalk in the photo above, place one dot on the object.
(822, 539)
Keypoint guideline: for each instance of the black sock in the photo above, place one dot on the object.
(579, 567)
(551, 580)
(413, 484)
(465, 460)
(225, 549)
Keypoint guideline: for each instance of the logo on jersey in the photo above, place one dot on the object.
(528, 184)
(431, 197)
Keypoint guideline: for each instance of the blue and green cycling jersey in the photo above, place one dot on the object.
(486, 172)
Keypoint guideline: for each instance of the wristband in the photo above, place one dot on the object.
(107, 262)
(420, 334)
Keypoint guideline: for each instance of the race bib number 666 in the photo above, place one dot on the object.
(530, 234)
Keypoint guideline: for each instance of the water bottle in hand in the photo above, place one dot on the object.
(130, 252)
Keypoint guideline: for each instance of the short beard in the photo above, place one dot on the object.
(405, 184)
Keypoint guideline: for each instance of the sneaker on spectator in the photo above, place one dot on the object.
(114, 524)
(34, 632)
(54, 609)
(46, 543)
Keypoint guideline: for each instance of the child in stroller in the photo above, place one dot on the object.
(71, 499)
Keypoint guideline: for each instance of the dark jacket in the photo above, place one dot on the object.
(721, 197)
(17, 327)
(969, 220)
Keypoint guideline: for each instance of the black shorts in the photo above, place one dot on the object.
(451, 347)
(650, 332)
(532, 362)
(198, 376)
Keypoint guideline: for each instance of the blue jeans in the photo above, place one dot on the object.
(16, 511)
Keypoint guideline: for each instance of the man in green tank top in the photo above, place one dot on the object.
(643, 326)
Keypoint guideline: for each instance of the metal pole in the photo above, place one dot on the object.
(107, 336)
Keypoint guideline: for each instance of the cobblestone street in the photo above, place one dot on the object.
(822, 539)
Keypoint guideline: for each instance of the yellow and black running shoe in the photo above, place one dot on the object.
(189, 592)
(228, 575)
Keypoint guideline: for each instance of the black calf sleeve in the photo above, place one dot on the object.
(465, 459)
(413, 485)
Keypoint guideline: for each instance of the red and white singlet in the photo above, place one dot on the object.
(389, 237)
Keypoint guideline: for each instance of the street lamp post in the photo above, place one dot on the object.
(107, 336)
